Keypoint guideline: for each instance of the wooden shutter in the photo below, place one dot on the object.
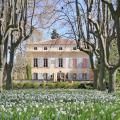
(79, 63)
(88, 65)
(67, 62)
(88, 75)
(70, 63)
(49, 76)
(40, 62)
(74, 63)
(64, 62)
(85, 62)
(56, 63)
(49, 62)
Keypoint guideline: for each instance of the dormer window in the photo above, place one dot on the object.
(45, 48)
(35, 48)
(60, 48)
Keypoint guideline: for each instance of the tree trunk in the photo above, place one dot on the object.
(95, 71)
(112, 79)
(101, 76)
(9, 71)
(1, 65)
(1, 76)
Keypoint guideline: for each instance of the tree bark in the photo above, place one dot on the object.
(1, 76)
(1, 65)
(9, 71)
(112, 79)
(101, 76)
(95, 71)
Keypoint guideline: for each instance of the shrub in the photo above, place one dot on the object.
(36, 85)
(52, 85)
(43, 85)
(18, 85)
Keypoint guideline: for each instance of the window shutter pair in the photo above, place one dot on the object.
(41, 62)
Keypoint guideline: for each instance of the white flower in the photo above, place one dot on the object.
(113, 115)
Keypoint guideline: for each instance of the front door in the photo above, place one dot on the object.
(60, 76)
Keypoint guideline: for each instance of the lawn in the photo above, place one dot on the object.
(59, 104)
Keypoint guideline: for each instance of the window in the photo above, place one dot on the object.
(35, 76)
(74, 76)
(60, 62)
(67, 76)
(45, 62)
(35, 62)
(45, 48)
(60, 48)
(35, 48)
(74, 48)
(84, 76)
(45, 76)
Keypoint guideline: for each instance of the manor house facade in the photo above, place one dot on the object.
(58, 59)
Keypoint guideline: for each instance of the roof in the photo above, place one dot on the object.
(56, 42)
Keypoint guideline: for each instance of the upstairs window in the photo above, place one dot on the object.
(60, 62)
(35, 64)
(45, 62)
(60, 48)
(74, 48)
(35, 48)
(45, 48)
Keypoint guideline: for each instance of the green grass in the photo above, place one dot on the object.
(59, 104)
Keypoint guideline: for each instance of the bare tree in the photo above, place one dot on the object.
(105, 36)
(15, 30)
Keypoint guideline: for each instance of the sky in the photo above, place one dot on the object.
(60, 26)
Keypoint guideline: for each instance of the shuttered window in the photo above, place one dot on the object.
(45, 62)
(60, 48)
(60, 62)
(45, 48)
(84, 76)
(35, 64)
(35, 48)
(35, 76)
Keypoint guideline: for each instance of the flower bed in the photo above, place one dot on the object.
(59, 104)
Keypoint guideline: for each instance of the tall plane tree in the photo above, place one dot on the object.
(17, 28)
(111, 32)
